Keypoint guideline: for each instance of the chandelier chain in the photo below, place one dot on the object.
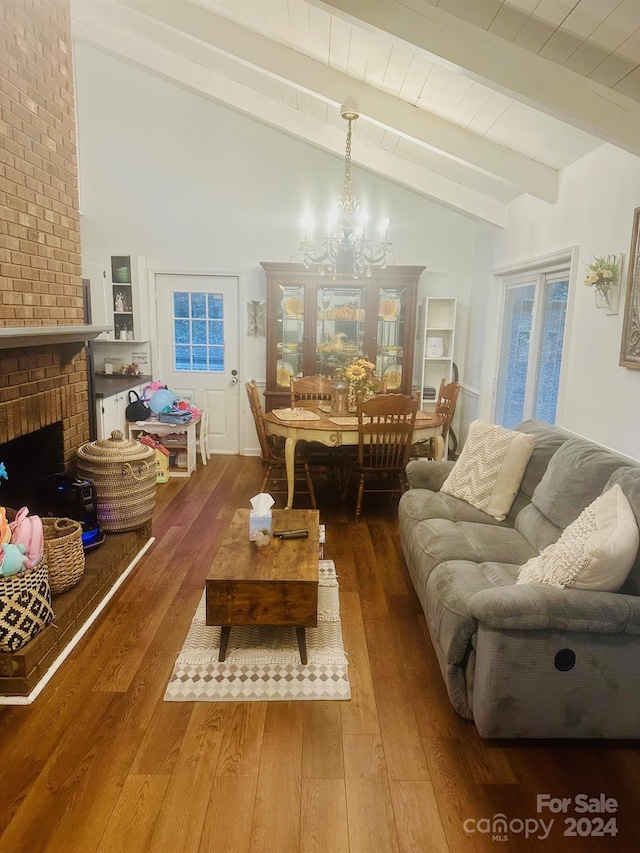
(347, 165)
(345, 250)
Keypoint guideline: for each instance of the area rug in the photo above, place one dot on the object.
(263, 663)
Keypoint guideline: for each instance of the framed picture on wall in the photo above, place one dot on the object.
(630, 348)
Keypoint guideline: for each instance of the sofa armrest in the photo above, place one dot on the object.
(427, 473)
(526, 607)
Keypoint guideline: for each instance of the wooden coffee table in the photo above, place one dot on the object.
(274, 585)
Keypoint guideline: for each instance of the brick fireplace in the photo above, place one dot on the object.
(43, 419)
(41, 383)
(43, 380)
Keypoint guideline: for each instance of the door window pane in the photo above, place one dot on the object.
(198, 332)
(555, 312)
(514, 355)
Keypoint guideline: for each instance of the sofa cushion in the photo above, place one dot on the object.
(546, 440)
(536, 528)
(629, 480)
(577, 474)
(438, 540)
(416, 505)
(490, 468)
(595, 552)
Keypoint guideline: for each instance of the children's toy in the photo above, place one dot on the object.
(161, 400)
(5, 530)
(27, 530)
(12, 559)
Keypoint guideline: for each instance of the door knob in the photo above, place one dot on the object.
(234, 377)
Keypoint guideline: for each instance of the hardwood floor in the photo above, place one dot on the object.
(100, 763)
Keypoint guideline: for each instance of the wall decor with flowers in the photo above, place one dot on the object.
(603, 274)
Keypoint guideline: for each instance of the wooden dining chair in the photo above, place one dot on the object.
(315, 388)
(427, 448)
(385, 430)
(274, 479)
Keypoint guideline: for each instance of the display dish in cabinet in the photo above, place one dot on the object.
(316, 324)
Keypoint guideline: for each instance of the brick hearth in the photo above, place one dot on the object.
(41, 286)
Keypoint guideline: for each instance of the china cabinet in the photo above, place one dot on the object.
(317, 323)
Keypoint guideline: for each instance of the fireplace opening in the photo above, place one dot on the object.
(28, 460)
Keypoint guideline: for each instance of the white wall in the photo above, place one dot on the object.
(598, 194)
(194, 186)
(468, 406)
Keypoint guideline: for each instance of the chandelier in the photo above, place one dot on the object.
(346, 250)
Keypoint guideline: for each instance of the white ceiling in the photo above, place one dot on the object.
(469, 102)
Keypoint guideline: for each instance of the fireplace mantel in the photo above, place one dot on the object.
(29, 336)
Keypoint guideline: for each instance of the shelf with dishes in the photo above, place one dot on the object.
(316, 324)
(392, 377)
(285, 372)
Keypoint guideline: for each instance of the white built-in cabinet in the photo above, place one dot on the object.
(110, 412)
(438, 341)
(120, 297)
(127, 293)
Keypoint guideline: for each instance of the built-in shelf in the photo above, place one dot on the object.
(29, 336)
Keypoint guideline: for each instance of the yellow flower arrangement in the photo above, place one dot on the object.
(361, 376)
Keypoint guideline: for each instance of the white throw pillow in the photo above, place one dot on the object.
(490, 468)
(595, 552)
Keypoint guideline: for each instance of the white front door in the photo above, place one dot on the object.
(198, 333)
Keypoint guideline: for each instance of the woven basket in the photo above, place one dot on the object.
(63, 552)
(123, 473)
(25, 607)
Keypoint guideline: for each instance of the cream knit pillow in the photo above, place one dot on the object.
(490, 468)
(595, 552)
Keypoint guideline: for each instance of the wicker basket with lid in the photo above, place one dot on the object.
(123, 473)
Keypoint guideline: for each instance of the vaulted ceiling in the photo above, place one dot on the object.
(469, 102)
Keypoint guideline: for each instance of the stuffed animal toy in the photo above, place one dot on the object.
(12, 559)
(5, 530)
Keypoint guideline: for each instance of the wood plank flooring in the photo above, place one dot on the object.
(100, 763)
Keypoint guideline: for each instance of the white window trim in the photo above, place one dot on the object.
(547, 264)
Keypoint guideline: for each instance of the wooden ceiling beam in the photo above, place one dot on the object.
(447, 138)
(165, 63)
(519, 73)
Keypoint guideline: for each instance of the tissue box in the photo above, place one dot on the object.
(259, 521)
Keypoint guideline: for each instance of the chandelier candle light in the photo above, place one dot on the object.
(346, 250)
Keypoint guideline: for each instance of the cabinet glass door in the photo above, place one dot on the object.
(290, 334)
(392, 308)
(340, 328)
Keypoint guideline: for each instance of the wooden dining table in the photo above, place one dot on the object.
(311, 421)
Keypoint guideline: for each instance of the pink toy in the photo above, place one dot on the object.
(27, 530)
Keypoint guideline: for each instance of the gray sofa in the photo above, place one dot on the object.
(526, 661)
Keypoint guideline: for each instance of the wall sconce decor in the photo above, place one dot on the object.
(256, 319)
(603, 274)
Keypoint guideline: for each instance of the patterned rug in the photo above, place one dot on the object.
(263, 663)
